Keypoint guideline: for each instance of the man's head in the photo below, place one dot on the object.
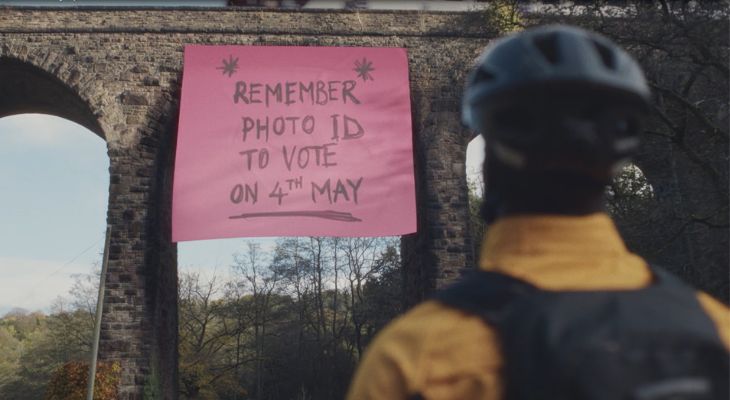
(560, 109)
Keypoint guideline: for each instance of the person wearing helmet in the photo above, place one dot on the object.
(560, 109)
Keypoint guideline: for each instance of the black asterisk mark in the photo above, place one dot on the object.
(230, 66)
(364, 68)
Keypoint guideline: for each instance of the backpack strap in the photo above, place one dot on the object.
(663, 277)
(485, 293)
(489, 294)
(482, 293)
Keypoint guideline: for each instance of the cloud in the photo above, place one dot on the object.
(43, 130)
(34, 284)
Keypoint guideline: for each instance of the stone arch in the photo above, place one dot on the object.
(139, 320)
(40, 83)
(125, 65)
(27, 88)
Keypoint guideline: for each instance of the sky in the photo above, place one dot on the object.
(54, 182)
(53, 192)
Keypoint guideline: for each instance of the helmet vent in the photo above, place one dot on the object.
(607, 56)
(548, 46)
(483, 75)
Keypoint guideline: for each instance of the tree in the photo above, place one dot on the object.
(683, 48)
(72, 319)
(263, 284)
(34, 346)
(364, 260)
(209, 345)
(69, 382)
(477, 225)
(10, 352)
(282, 326)
(383, 293)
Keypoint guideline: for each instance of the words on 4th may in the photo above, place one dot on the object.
(266, 141)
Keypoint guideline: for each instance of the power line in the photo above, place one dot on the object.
(57, 270)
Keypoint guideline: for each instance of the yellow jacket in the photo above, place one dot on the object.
(443, 353)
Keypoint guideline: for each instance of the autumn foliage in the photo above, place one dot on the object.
(69, 381)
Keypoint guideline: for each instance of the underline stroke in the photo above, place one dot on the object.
(329, 214)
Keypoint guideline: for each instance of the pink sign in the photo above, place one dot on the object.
(293, 141)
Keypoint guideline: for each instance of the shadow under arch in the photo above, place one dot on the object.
(26, 88)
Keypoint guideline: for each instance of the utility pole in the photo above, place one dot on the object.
(97, 324)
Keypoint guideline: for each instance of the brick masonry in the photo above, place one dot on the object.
(118, 72)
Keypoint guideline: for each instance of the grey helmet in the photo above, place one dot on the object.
(557, 97)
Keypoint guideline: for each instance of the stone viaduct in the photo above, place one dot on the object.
(118, 73)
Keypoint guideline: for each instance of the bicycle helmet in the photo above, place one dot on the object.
(557, 98)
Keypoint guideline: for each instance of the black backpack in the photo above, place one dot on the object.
(655, 343)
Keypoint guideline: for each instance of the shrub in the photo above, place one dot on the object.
(69, 381)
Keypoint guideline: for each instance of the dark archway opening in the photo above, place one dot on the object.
(25, 88)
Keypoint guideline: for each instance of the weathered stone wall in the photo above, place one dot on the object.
(123, 70)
